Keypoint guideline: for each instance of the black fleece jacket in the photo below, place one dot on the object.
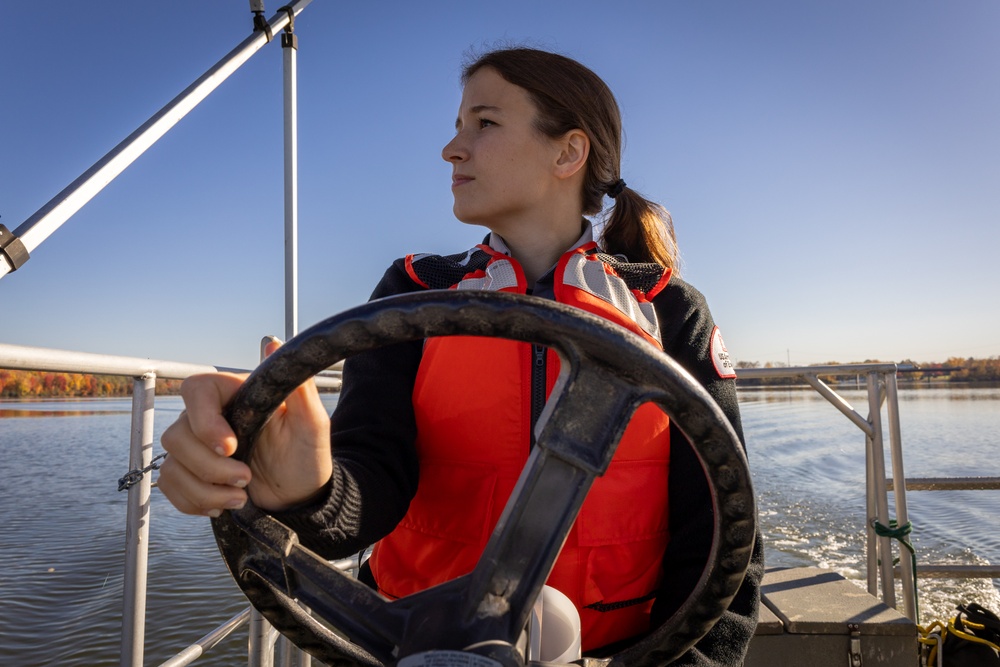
(376, 468)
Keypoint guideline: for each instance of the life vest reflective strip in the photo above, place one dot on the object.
(499, 275)
(472, 403)
(582, 277)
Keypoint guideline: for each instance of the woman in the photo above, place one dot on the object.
(537, 146)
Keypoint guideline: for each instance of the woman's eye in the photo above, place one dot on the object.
(485, 122)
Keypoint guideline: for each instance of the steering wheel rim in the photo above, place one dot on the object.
(273, 570)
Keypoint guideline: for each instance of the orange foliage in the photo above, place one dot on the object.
(43, 384)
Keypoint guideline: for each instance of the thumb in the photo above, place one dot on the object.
(268, 344)
(304, 400)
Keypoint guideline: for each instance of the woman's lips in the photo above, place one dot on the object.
(458, 180)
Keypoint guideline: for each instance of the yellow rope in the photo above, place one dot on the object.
(972, 638)
(934, 636)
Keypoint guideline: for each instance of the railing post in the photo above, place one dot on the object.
(260, 648)
(137, 523)
(871, 541)
(899, 489)
(881, 494)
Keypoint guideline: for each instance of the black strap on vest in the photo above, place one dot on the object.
(614, 606)
(441, 272)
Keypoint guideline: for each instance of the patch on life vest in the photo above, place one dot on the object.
(720, 356)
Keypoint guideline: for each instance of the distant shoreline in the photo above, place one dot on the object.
(17, 384)
(745, 385)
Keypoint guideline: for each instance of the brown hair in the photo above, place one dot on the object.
(569, 96)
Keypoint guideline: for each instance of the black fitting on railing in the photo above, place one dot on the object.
(259, 21)
(289, 40)
(12, 248)
(291, 17)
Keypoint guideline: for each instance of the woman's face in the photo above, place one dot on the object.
(502, 167)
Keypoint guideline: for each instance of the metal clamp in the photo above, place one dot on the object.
(12, 249)
(260, 23)
(289, 40)
(854, 653)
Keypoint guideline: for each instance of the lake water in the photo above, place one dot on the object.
(62, 544)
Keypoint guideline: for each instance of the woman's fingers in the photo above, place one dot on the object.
(191, 494)
(204, 398)
(199, 477)
(291, 462)
(292, 459)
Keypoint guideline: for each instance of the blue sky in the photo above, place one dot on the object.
(833, 169)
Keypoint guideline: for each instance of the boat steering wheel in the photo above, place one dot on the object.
(476, 620)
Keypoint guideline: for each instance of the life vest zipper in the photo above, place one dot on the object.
(537, 386)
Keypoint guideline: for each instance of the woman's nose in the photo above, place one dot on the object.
(454, 150)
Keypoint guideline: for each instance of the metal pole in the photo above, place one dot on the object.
(260, 645)
(899, 490)
(881, 498)
(260, 650)
(22, 357)
(137, 524)
(196, 650)
(870, 511)
(837, 401)
(60, 208)
(289, 44)
(290, 655)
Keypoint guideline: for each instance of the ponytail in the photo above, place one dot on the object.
(640, 229)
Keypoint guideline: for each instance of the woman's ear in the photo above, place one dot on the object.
(574, 150)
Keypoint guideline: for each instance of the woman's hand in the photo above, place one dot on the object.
(291, 460)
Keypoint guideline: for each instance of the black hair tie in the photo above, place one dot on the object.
(616, 188)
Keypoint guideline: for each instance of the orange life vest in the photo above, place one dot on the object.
(472, 401)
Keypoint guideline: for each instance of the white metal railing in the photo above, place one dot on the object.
(882, 390)
(196, 650)
(144, 372)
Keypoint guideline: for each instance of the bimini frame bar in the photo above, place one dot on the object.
(16, 246)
